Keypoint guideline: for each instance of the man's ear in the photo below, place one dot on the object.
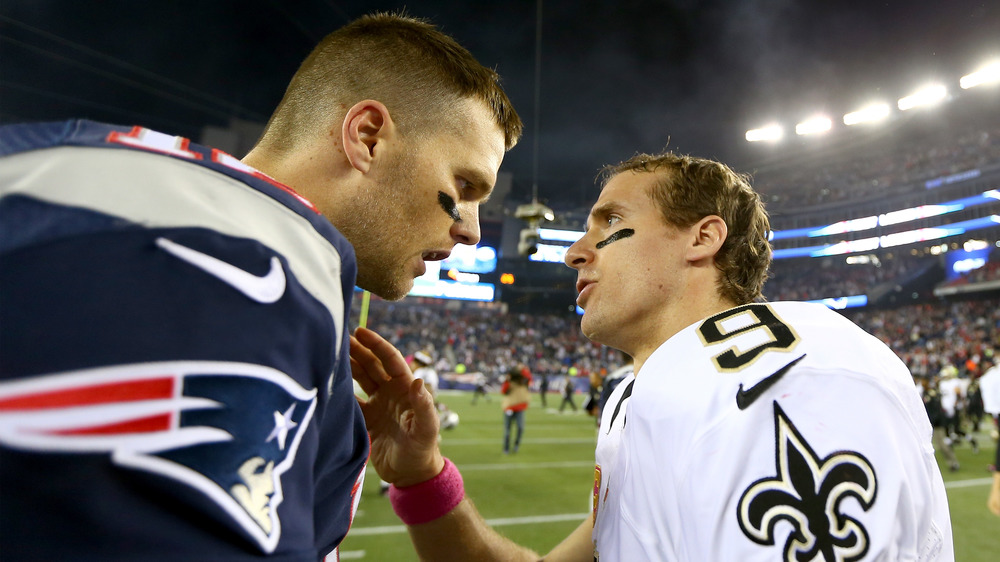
(366, 124)
(707, 237)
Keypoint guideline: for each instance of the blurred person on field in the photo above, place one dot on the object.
(568, 390)
(516, 399)
(480, 389)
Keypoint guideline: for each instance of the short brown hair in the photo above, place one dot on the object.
(403, 62)
(688, 189)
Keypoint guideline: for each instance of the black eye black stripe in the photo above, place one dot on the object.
(615, 236)
(448, 204)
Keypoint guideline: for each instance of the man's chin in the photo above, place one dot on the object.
(589, 327)
(397, 295)
(392, 292)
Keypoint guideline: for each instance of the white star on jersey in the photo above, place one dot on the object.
(282, 424)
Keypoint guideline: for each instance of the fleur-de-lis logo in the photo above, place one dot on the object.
(807, 493)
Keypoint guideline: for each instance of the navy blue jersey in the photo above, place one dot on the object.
(174, 367)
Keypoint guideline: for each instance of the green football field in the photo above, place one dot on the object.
(537, 496)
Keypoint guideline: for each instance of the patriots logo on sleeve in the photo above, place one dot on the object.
(228, 430)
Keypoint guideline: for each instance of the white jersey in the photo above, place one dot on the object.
(953, 391)
(769, 432)
(430, 378)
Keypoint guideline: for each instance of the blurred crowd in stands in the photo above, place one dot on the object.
(817, 278)
(465, 337)
(879, 168)
(929, 337)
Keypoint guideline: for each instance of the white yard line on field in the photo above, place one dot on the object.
(967, 483)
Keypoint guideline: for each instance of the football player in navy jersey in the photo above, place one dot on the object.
(748, 431)
(174, 366)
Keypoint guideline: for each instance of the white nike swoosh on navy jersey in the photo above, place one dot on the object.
(266, 289)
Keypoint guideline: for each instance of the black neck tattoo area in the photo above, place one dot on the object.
(449, 206)
(615, 236)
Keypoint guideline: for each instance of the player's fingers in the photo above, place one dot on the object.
(368, 363)
(360, 375)
(423, 409)
(392, 361)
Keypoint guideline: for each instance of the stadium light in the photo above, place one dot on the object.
(768, 133)
(814, 126)
(987, 74)
(928, 95)
(463, 277)
(867, 114)
(973, 245)
(854, 260)
(560, 235)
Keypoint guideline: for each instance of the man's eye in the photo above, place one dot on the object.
(613, 220)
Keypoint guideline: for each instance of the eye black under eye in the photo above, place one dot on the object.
(615, 236)
(449, 206)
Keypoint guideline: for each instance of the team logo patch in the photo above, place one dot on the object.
(597, 490)
(807, 492)
(228, 430)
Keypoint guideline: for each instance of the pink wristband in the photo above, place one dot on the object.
(427, 501)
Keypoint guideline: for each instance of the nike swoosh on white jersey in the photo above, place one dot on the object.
(266, 290)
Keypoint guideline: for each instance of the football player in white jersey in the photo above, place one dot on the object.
(424, 370)
(748, 431)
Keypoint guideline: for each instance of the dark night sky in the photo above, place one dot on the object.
(617, 77)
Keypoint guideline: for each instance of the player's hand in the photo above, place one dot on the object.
(399, 412)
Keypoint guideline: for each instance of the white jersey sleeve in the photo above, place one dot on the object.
(770, 432)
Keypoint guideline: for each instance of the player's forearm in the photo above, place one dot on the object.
(463, 535)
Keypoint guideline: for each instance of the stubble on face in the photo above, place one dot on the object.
(379, 231)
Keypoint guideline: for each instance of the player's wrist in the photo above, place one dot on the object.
(413, 476)
(429, 499)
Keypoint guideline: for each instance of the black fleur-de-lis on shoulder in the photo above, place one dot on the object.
(807, 493)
